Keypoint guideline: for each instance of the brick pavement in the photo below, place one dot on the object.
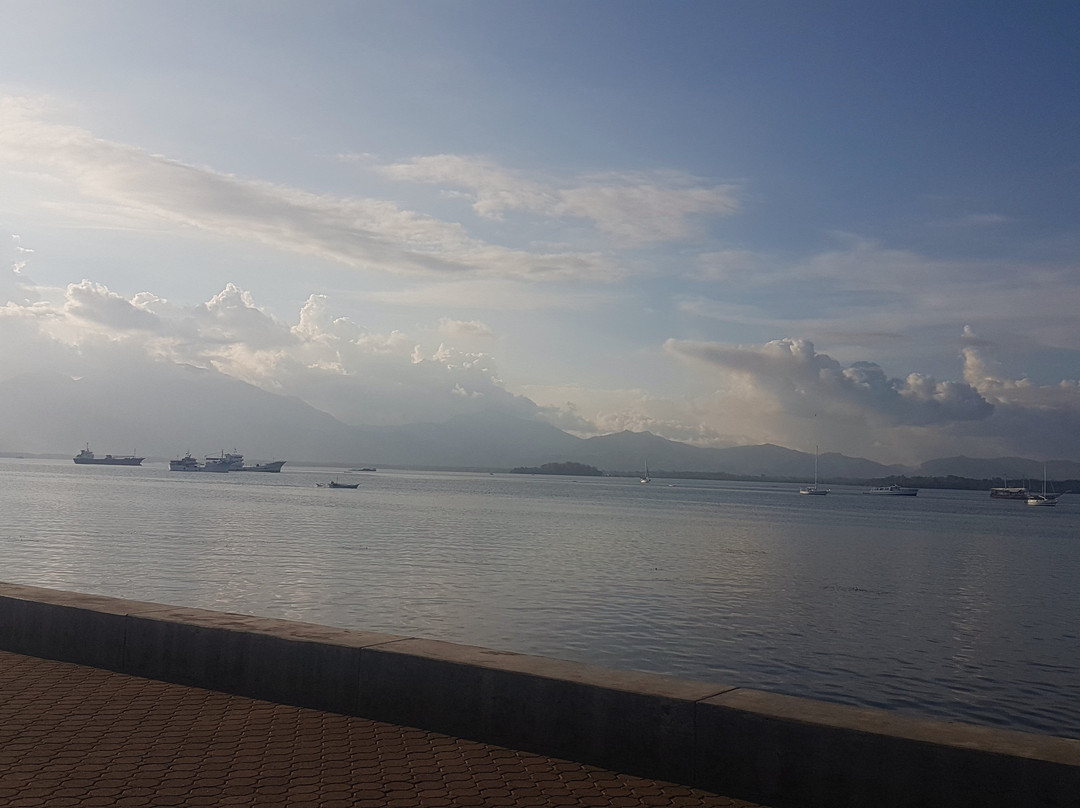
(78, 736)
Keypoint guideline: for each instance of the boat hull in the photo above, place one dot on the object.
(271, 468)
(1009, 493)
(894, 491)
(109, 460)
(1039, 499)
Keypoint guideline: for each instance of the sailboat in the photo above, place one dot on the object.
(813, 490)
(1043, 498)
(645, 478)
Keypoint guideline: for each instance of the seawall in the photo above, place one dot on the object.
(780, 750)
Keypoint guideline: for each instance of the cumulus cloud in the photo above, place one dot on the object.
(331, 362)
(805, 380)
(636, 207)
(95, 303)
(135, 187)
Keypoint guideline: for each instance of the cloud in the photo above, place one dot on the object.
(331, 362)
(464, 328)
(95, 303)
(491, 293)
(587, 412)
(135, 188)
(636, 207)
(805, 380)
(864, 298)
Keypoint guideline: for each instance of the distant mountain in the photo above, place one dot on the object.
(160, 411)
(1015, 469)
(629, 451)
(164, 410)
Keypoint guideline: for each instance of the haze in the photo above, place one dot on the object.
(846, 225)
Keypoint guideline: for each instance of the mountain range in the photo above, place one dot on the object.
(164, 411)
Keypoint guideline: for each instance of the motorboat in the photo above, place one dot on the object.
(336, 484)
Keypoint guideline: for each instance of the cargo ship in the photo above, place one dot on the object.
(87, 458)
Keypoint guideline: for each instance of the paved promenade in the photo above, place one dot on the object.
(79, 736)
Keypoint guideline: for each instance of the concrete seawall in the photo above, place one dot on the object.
(746, 743)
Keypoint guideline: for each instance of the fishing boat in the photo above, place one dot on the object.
(226, 461)
(893, 490)
(185, 463)
(813, 490)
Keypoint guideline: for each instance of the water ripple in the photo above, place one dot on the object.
(949, 605)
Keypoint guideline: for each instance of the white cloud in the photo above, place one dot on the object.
(587, 412)
(490, 293)
(464, 328)
(132, 187)
(330, 362)
(636, 207)
(806, 381)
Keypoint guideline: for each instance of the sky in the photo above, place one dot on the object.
(850, 225)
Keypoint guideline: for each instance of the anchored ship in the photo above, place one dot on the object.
(274, 467)
(226, 461)
(87, 458)
(185, 463)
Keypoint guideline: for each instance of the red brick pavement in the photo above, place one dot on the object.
(77, 736)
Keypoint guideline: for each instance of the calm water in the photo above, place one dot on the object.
(949, 604)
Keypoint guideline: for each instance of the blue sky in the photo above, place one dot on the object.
(852, 224)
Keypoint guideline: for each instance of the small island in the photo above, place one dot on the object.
(568, 468)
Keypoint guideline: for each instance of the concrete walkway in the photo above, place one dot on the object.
(79, 736)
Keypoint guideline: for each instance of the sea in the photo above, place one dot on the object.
(949, 605)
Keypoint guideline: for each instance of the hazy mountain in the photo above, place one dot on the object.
(1015, 469)
(159, 412)
(162, 410)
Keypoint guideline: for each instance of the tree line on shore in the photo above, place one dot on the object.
(950, 481)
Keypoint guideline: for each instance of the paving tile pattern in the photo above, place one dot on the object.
(77, 736)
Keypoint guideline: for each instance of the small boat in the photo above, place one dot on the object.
(273, 467)
(893, 490)
(336, 484)
(86, 458)
(1044, 498)
(813, 490)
